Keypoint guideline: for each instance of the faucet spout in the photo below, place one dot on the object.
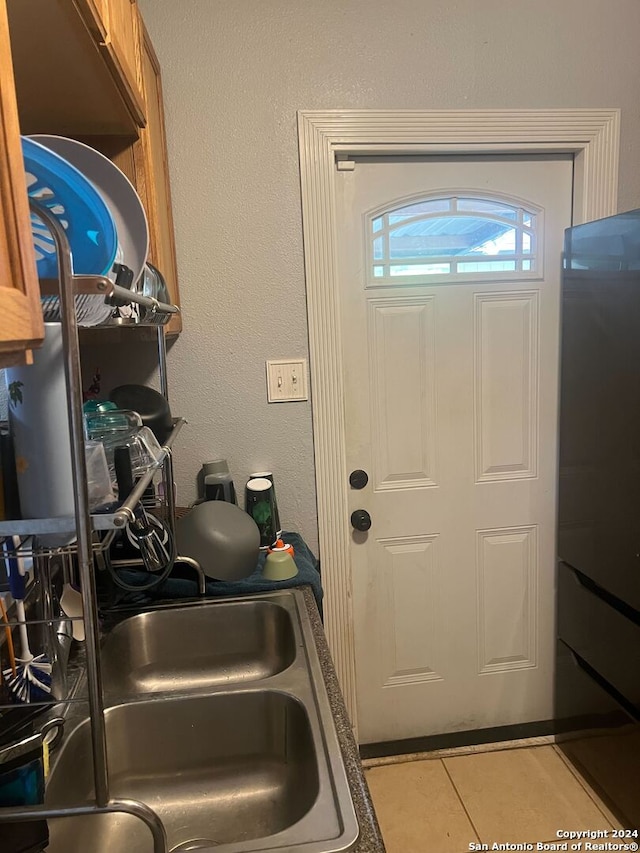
(195, 565)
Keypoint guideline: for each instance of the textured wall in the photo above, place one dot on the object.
(234, 74)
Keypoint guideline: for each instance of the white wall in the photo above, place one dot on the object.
(234, 74)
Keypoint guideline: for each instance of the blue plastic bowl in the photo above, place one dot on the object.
(77, 205)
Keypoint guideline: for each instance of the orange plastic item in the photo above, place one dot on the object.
(279, 546)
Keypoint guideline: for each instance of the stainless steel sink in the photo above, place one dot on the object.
(231, 767)
(195, 648)
(245, 761)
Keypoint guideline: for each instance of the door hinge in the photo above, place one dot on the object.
(344, 164)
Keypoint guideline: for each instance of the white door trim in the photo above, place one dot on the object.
(591, 135)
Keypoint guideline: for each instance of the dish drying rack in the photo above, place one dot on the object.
(84, 525)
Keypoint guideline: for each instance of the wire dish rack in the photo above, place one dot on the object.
(94, 533)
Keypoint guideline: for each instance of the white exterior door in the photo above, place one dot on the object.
(449, 282)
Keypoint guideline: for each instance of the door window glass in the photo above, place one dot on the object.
(456, 237)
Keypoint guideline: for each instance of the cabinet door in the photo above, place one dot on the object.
(115, 25)
(153, 149)
(95, 14)
(21, 325)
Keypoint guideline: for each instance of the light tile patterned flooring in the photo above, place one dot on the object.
(442, 805)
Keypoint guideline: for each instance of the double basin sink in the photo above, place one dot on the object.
(217, 718)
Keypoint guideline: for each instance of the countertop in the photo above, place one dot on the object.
(370, 840)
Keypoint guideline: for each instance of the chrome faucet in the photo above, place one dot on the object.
(195, 565)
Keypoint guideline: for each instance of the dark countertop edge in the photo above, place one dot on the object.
(370, 839)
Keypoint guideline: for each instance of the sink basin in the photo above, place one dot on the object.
(236, 750)
(226, 768)
(195, 648)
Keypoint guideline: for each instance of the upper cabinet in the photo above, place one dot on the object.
(87, 69)
(68, 80)
(115, 24)
(157, 192)
(21, 326)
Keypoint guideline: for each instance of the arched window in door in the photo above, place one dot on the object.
(461, 237)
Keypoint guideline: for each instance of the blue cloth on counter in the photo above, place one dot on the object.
(308, 574)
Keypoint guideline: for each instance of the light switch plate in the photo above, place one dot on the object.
(287, 380)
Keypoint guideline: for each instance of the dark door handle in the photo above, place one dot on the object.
(360, 519)
(358, 479)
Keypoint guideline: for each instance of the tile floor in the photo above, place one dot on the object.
(442, 805)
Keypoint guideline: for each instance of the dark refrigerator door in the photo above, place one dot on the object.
(599, 483)
(598, 616)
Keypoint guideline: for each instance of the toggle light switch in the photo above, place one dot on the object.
(287, 380)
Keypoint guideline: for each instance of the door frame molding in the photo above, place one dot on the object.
(325, 137)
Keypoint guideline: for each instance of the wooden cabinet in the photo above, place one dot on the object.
(87, 69)
(21, 326)
(156, 192)
(144, 162)
(115, 25)
(64, 83)
(95, 14)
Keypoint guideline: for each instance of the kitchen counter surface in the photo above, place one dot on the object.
(370, 840)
